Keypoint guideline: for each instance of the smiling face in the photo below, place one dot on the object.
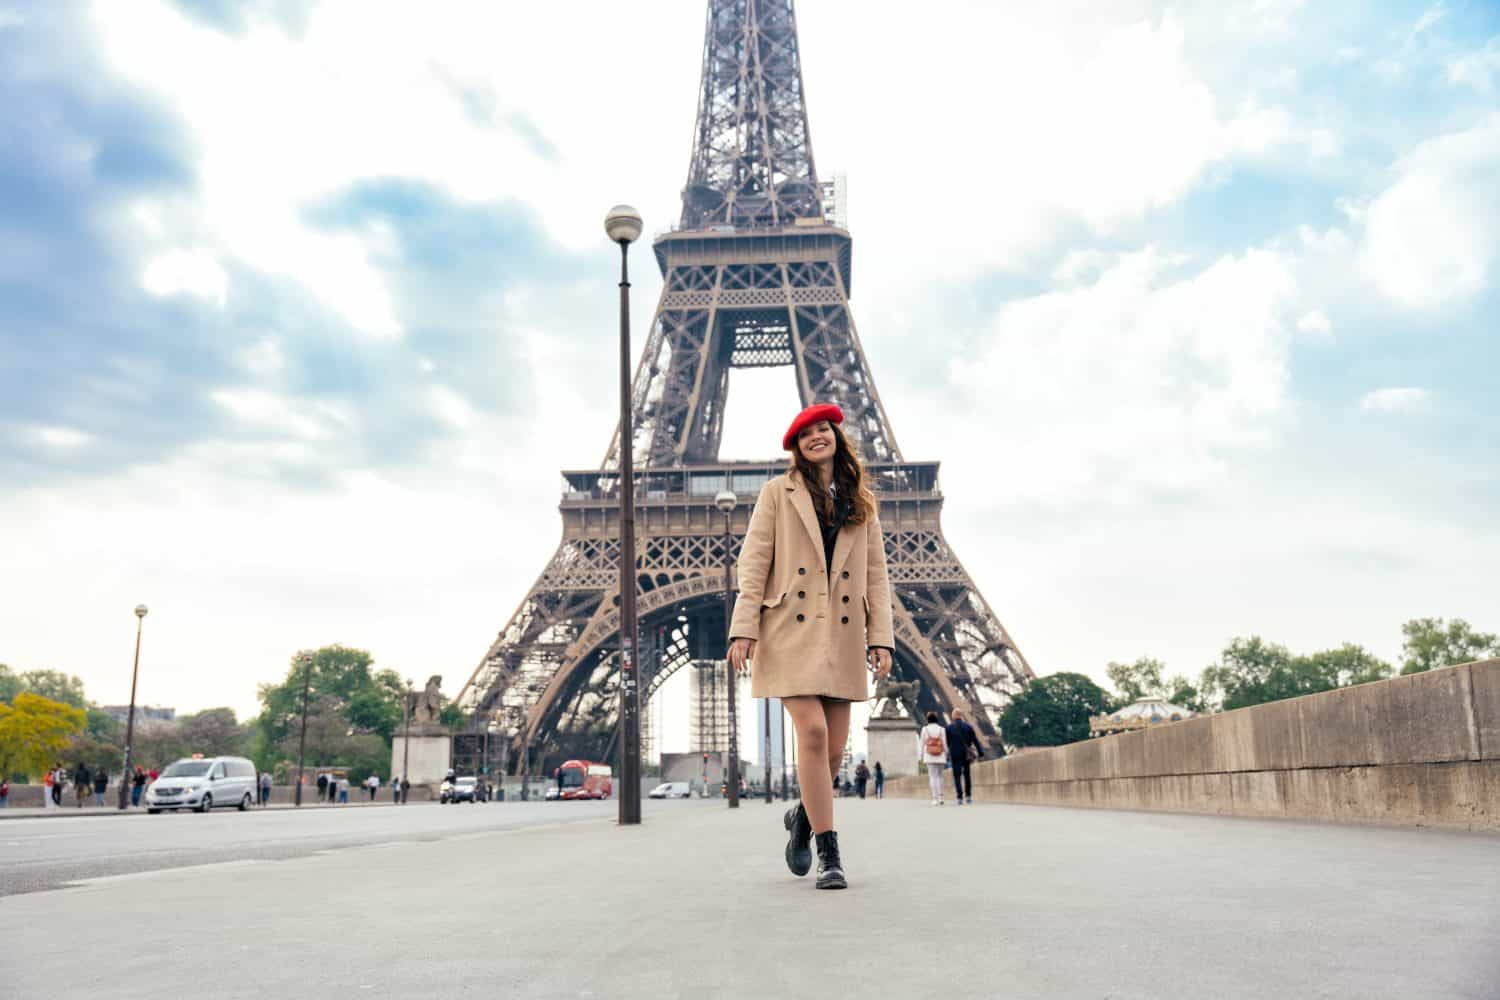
(816, 442)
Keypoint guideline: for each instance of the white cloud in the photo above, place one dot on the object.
(10, 18)
(1477, 69)
(1315, 322)
(1393, 399)
(63, 437)
(1430, 238)
(1149, 378)
(195, 272)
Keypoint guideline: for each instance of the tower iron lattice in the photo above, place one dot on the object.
(754, 276)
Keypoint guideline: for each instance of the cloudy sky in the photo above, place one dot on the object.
(302, 308)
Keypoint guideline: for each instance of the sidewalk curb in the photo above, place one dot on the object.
(29, 812)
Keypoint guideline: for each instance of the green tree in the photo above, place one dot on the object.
(10, 684)
(1134, 681)
(336, 672)
(35, 732)
(157, 744)
(96, 753)
(55, 686)
(1053, 710)
(103, 726)
(1252, 672)
(1144, 679)
(213, 732)
(1429, 644)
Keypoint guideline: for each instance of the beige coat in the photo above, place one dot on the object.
(811, 632)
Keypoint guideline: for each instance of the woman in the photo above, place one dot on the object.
(932, 748)
(137, 785)
(879, 781)
(814, 608)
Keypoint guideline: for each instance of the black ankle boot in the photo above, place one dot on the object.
(830, 867)
(798, 845)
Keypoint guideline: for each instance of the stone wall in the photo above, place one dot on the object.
(1420, 750)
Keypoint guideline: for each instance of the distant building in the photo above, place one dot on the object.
(143, 713)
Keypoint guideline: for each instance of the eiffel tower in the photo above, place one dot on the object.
(755, 275)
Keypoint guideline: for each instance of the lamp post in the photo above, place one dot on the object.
(623, 226)
(140, 619)
(490, 729)
(726, 502)
(766, 777)
(306, 660)
(406, 740)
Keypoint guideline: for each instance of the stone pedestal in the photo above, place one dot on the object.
(893, 742)
(429, 757)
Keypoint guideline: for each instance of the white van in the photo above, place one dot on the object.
(203, 782)
(672, 790)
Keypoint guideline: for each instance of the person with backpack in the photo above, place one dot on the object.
(323, 788)
(963, 749)
(101, 782)
(932, 750)
(861, 778)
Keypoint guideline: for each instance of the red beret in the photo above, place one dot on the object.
(811, 415)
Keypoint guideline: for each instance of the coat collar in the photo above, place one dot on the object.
(802, 500)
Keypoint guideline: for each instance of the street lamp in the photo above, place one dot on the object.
(140, 619)
(406, 738)
(726, 501)
(306, 660)
(623, 226)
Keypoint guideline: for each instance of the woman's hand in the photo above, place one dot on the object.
(741, 651)
(880, 661)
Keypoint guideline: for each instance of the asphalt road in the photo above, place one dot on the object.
(37, 854)
(982, 901)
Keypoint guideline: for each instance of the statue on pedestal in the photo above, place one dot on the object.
(423, 709)
(888, 692)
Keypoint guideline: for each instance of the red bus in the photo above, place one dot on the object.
(583, 779)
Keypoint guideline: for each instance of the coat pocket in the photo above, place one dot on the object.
(772, 602)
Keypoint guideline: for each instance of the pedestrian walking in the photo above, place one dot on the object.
(879, 781)
(322, 787)
(82, 779)
(4, 793)
(813, 614)
(405, 790)
(932, 750)
(395, 789)
(343, 786)
(101, 783)
(963, 750)
(265, 788)
(861, 778)
(137, 785)
(372, 784)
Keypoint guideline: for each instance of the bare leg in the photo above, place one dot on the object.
(811, 725)
(837, 713)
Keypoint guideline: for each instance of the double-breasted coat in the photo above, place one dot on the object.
(812, 626)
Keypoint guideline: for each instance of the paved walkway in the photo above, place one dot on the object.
(981, 901)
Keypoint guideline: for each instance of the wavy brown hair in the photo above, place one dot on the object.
(848, 477)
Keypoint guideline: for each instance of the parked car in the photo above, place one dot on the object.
(201, 783)
(459, 790)
(672, 790)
